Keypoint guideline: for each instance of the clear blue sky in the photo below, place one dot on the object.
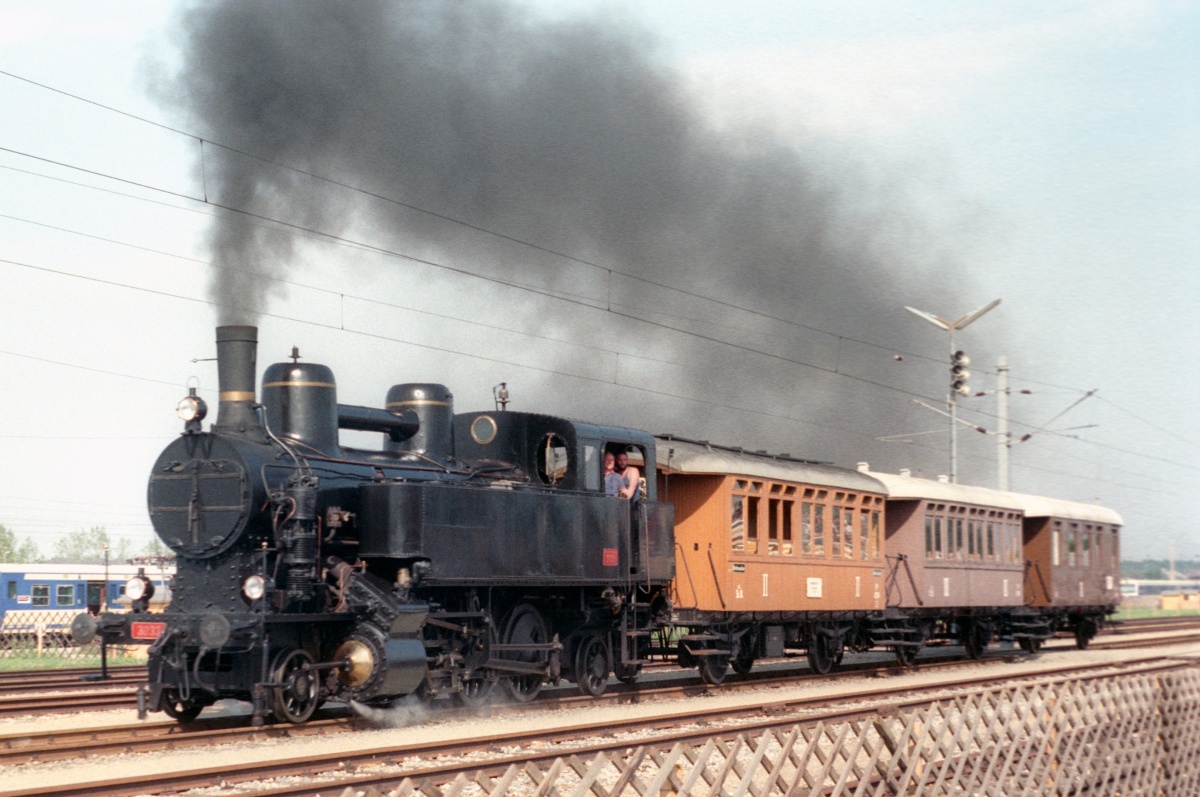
(1054, 148)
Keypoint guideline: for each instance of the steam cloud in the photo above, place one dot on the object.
(571, 133)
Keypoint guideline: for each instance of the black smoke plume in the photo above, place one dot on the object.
(574, 134)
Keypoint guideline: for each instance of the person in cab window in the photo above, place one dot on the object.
(612, 480)
(631, 476)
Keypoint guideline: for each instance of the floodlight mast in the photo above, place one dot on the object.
(952, 327)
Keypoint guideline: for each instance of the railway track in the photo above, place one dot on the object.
(383, 766)
(25, 747)
(67, 691)
(77, 678)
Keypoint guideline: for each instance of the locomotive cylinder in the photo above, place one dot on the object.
(433, 405)
(237, 354)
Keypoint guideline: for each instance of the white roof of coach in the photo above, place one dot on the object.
(901, 488)
(686, 456)
(1037, 506)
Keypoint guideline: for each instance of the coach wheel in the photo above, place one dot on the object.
(180, 710)
(525, 627)
(591, 666)
(906, 654)
(712, 668)
(1085, 630)
(299, 689)
(975, 638)
(824, 651)
(1030, 644)
(744, 659)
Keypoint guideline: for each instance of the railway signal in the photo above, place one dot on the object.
(957, 386)
(959, 373)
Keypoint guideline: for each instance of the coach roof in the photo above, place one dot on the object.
(913, 488)
(1037, 506)
(681, 456)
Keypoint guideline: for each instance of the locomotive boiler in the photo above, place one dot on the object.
(470, 550)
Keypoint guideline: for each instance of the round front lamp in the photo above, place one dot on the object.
(191, 408)
(254, 587)
(139, 588)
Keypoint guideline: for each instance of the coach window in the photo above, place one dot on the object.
(1072, 544)
(788, 509)
(818, 548)
(737, 523)
(12, 590)
(807, 528)
(847, 532)
(936, 548)
(835, 533)
(1055, 544)
(752, 520)
(65, 595)
(1085, 552)
(877, 532)
(41, 594)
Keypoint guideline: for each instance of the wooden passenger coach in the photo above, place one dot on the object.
(1072, 552)
(758, 534)
(952, 545)
(771, 552)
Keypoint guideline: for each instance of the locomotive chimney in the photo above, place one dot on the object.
(237, 351)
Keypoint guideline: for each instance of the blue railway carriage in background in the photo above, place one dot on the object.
(33, 594)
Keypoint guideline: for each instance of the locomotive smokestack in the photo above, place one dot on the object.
(237, 353)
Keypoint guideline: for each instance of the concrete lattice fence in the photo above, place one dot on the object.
(1109, 737)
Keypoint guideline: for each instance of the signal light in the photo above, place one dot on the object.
(959, 373)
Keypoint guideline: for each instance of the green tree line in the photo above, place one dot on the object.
(85, 546)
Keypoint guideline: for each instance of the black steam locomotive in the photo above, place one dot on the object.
(472, 550)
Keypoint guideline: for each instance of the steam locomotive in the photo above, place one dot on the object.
(480, 550)
(470, 551)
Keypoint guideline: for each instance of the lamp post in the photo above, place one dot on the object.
(959, 374)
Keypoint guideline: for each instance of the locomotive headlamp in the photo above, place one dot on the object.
(254, 587)
(139, 588)
(191, 407)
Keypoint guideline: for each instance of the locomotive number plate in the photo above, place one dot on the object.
(142, 630)
(610, 557)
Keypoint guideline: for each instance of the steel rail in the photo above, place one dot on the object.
(26, 747)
